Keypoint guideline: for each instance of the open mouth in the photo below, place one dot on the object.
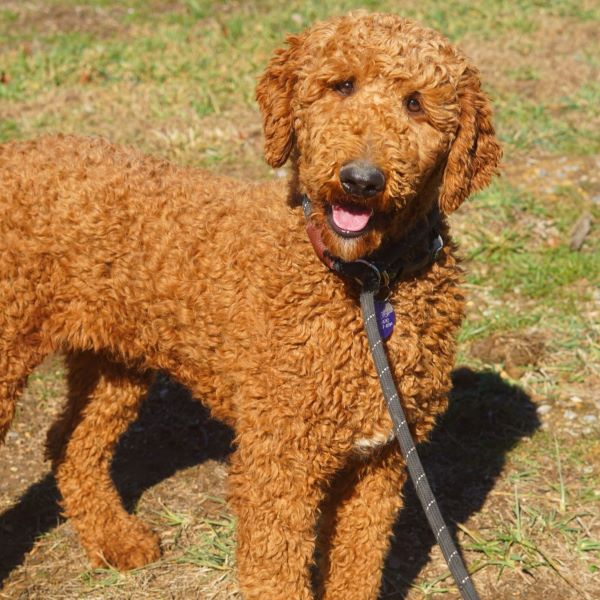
(349, 220)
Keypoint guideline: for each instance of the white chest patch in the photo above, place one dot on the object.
(377, 440)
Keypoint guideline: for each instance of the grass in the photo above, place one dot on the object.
(216, 545)
(527, 539)
(185, 53)
(552, 126)
(177, 79)
(523, 276)
(521, 540)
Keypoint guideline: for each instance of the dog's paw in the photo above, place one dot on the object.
(129, 546)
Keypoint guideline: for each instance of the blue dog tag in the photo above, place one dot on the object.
(386, 318)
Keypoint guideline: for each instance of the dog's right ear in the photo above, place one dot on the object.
(274, 94)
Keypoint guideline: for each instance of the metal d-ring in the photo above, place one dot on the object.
(364, 281)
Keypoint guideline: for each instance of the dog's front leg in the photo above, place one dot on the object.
(276, 487)
(357, 522)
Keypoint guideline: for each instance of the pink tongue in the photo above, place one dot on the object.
(350, 218)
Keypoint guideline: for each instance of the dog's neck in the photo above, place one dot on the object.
(416, 250)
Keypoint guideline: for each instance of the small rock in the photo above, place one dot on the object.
(570, 415)
(580, 231)
(590, 419)
(543, 409)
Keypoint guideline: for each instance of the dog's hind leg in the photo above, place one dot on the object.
(18, 358)
(104, 398)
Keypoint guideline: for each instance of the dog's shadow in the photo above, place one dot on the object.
(485, 419)
(172, 432)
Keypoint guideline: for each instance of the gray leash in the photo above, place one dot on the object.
(409, 450)
(372, 273)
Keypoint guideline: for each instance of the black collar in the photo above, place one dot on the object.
(385, 266)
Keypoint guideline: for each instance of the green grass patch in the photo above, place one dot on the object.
(520, 259)
(9, 130)
(522, 276)
(230, 37)
(7, 18)
(215, 549)
(538, 274)
(99, 579)
(555, 125)
(545, 274)
(502, 319)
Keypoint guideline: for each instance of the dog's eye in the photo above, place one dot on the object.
(413, 104)
(345, 88)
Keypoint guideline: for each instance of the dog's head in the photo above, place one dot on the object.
(381, 118)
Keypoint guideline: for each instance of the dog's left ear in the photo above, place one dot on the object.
(475, 152)
(274, 94)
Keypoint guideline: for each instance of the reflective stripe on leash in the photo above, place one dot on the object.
(409, 450)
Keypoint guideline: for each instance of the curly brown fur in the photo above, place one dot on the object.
(130, 265)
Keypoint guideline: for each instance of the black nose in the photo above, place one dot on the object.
(361, 179)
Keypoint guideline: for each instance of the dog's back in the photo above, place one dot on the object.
(105, 249)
